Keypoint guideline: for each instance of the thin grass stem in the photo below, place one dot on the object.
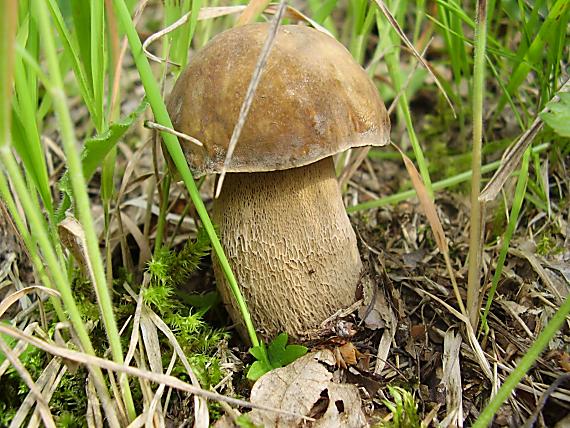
(475, 230)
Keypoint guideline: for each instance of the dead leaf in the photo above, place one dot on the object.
(73, 238)
(380, 315)
(302, 385)
(349, 353)
(344, 409)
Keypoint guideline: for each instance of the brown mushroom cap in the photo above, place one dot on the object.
(313, 101)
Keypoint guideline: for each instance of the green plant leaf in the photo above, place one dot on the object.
(258, 369)
(243, 421)
(257, 352)
(558, 115)
(277, 355)
(95, 150)
(281, 354)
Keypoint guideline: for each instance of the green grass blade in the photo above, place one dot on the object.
(475, 244)
(175, 151)
(555, 23)
(324, 10)
(98, 60)
(437, 186)
(81, 197)
(81, 35)
(513, 220)
(73, 50)
(29, 145)
(524, 365)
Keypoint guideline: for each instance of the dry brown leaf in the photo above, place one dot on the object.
(349, 353)
(380, 315)
(344, 409)
(298, 387)
(73, 238)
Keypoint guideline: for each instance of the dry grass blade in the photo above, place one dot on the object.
(158, 395)
(545, 395)
(51, 388)
(261, 61)
(20, 347)
(513, 155)
(452, 379)
(293, 13)
(386, 12)
(475, 345)
(43, 407)
(142, 242)
(205, 13)
(385, 344)
(158, 378)
(216, 12)
(17, 295)
(162, 128)
(433, 219)
(199, 404)
(144, 314)
(252, 11)
(94, 416)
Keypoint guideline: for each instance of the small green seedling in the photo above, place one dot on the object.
(277, 354)
(404, 409)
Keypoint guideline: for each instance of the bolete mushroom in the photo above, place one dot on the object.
(280, 214)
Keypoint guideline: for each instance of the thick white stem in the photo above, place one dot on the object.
(291, 246)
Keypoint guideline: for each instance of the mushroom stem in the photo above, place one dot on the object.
(291, 246)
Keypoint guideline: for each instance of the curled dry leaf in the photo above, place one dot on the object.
(17, 295)
(379, 315)
(301, 387)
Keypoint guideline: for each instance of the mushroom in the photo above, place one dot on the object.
(281, 218)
